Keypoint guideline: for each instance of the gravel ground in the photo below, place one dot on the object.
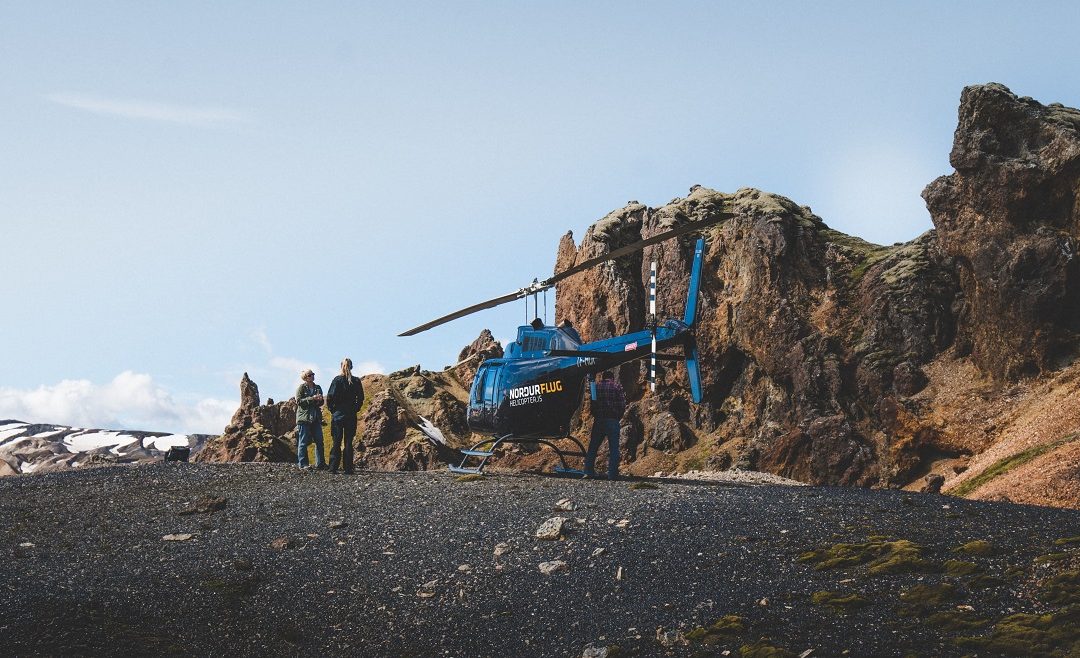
(412, 570)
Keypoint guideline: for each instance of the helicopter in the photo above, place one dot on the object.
(531, 393)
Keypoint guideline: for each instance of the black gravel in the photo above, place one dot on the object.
(85, 569)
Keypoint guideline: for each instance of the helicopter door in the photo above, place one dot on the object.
(483, 404)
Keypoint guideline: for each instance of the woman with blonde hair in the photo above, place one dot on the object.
(344, 399)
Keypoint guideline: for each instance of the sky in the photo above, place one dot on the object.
(194, 190)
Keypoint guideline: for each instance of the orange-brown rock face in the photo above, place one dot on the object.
(799, 328)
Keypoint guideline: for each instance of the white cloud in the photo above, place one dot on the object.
(369, 368)
(130, 401)
(295, 366)
(262, 340)
(150, 110)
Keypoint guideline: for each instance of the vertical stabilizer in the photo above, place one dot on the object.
(695, 280)
(690, 317)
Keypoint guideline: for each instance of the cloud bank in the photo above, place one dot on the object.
(131, 401)
(150, 110)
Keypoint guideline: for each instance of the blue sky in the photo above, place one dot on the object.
(191, 190)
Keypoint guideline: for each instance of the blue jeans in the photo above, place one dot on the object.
(308, 433)
(604, 428)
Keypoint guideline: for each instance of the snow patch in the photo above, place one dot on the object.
(11, 429)
(93, 440)
(163, 443)
(431, 432)
(46, 434)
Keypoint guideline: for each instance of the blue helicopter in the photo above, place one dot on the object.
(531, 394)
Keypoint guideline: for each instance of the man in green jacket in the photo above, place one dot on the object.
(309, 401)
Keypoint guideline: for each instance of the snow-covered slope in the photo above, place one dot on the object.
(36, 448)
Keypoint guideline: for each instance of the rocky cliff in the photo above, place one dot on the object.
(826, 358)
(835, 361)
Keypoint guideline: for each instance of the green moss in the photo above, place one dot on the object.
(232, 587)
(721, 630)
(956, 620)
(1062, 589)
(838, 601)
(880, 557)
(1015, 572)
(977, 547)
(1054, 634)
(638, 486)
(985, 582)
(961, 568)
(763, 649)
(920, 599)
(469, 477)
(1066, 540)
(1005, 465)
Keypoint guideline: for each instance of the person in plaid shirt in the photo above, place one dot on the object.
(607, 409)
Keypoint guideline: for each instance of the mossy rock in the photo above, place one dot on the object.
(469, 477)
(838, 601)
(961, 568)
(1053, 634)
(1062, 589)
(922, 598)
(638, 486)
(979, 547)
(951, 621)
(985, 582)
(721, 630)
(763, 649)
(1015, 572)
(1066, 540)
(880, 557)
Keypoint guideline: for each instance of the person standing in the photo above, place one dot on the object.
(607, 409)
(309, 401)
(344, 399)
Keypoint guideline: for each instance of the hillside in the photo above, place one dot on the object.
(41, 448)
(216, 559)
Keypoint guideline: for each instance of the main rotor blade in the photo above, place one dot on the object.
(491, 303)
(688, 227)
(536, 287)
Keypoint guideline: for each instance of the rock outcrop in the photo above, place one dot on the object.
(257, 432)
(1010, 216)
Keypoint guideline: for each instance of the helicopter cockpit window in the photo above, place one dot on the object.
(532, 342)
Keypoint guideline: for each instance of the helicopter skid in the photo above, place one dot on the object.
(485, 449)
